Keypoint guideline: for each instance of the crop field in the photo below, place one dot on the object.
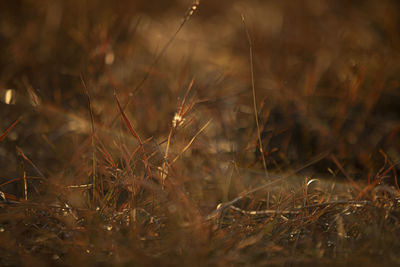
(199, 133)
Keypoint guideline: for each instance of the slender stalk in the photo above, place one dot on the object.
(254, 97)
(94, 164)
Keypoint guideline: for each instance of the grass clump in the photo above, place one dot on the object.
(133, 135)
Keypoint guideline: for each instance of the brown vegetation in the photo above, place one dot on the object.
(246, 133)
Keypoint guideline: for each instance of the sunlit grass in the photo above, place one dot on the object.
(138, 134)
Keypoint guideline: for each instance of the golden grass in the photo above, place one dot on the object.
(243, 133)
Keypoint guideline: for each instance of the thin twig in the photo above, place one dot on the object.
(9, 129)
(221, 207)
(298, 210)
(30, 162)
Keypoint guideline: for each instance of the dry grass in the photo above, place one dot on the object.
(245, 133)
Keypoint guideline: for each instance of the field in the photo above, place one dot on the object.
(187, 133)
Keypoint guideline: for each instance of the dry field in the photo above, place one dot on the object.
(187, 133)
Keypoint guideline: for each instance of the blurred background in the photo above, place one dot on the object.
(326, 79)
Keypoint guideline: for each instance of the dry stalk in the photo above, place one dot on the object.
(94, 161)
(254, 96)
(223, 206)
(178, 119)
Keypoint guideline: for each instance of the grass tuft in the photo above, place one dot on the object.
(160, 154)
